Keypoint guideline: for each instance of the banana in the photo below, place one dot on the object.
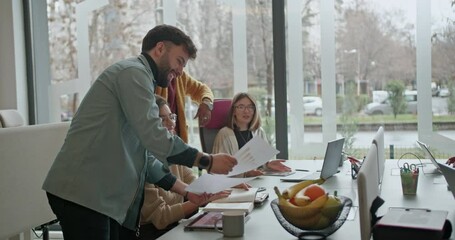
(304, 217)
(300, 200)
(318, 202)
(281, 200)
(315, 222)
(290, 211)
(294, 189)
(305, 223)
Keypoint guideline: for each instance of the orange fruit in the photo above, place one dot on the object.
(314, 191)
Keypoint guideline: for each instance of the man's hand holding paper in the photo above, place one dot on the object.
(254, 154)
(214, 183)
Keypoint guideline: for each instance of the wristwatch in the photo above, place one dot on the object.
(204, 162)
(209, 104)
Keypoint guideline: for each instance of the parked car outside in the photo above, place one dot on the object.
(384, 107)
(312, 105)
(444, 92)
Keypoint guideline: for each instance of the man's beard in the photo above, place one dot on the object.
(163, 71)
(162, 80)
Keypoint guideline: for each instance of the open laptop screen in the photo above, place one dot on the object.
(332, 158)
(425, 148)
(329, 167)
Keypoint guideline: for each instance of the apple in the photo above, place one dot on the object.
(300, 199)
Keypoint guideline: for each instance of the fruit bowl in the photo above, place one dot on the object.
(303, 233)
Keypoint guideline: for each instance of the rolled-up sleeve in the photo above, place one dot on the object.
(159, 174)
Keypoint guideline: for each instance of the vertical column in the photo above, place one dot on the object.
(239, 45)
(169, 13)
(280, 76)
(423, 67)
(295, 78)
(329, 125)
(13, 85)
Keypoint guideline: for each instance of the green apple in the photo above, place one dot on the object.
(331, 207)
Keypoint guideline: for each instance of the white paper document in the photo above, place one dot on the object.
(239, 195)
(255, 153)
(214, 183)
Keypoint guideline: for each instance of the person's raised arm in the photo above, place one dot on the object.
(214, 163)
(220, 163)
(200, 93)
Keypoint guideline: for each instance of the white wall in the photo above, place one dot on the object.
(13, 85)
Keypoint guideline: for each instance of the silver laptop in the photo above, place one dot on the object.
(449, 175)
(329, 167)
(425, 148)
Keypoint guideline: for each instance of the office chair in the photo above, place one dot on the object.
(368, 190)
(11, 118)
(208, 133)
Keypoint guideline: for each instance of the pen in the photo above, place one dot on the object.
(303, 170)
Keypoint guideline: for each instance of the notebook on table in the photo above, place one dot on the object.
(449, 175)
(246, 207)
(239, 199)
(329, 167)
(426, 149)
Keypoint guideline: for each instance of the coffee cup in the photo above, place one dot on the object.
(233, 223)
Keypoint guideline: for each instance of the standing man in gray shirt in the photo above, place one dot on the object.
(95, 186)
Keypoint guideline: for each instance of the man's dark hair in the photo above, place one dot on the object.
(169, 33)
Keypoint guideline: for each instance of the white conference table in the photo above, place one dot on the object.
(264, 225)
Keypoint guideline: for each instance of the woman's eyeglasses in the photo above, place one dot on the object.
(243, 107)
(172, 117)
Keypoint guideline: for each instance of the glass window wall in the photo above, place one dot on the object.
(352, 66)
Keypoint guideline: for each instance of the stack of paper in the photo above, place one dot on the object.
(247, 207)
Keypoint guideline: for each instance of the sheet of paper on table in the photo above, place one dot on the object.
(212, 183)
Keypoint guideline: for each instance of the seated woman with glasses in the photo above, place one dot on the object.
(242, 124)
(163, 209)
